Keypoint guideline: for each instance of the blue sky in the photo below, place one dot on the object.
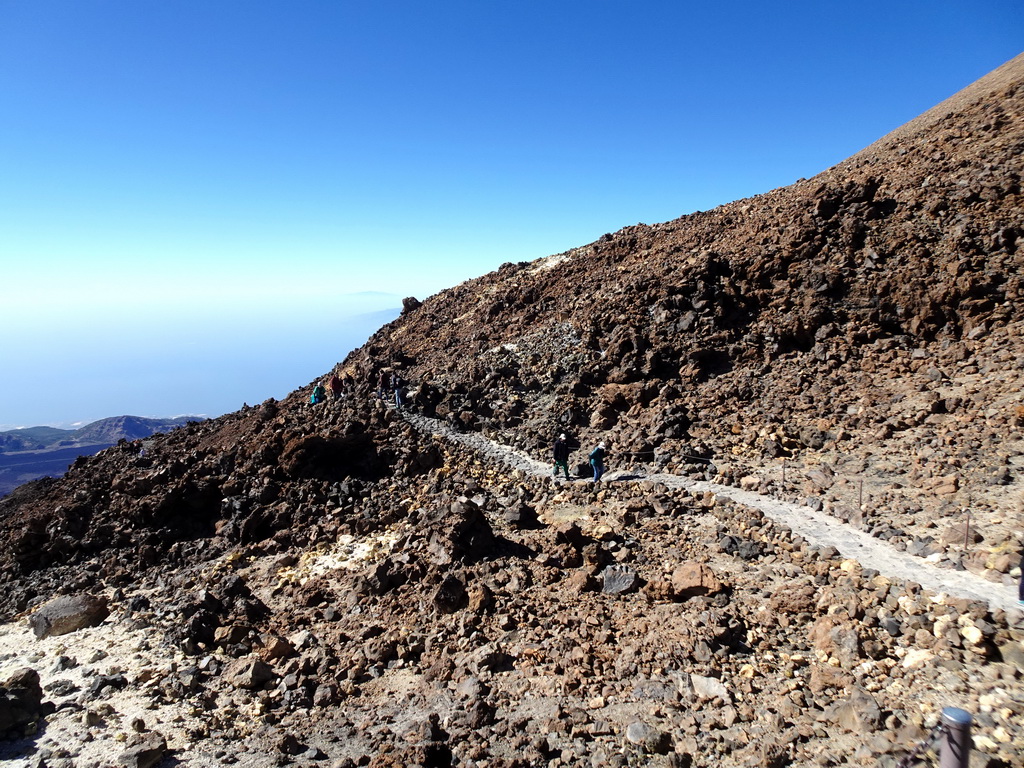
(180, 181)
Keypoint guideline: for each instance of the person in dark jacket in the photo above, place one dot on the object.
(560, 452)
(1020, 587)
(397, 387)
(597, 457)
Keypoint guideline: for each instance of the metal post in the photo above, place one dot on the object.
(967, 530)
(860, 496)
(956, 738)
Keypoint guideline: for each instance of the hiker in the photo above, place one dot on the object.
(597, 457)
(396, 385)
(1020, 588)
(382, 383)
(560, 451)
(319, 394)
(336, 386)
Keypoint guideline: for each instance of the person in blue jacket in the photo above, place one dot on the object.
(597, 457)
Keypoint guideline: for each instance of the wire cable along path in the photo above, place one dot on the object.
(818, 528)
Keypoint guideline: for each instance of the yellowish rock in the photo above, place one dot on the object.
(917, 657)
(984, 743)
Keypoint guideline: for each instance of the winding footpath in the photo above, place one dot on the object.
(817, 528)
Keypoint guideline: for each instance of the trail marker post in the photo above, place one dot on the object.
(956, 738)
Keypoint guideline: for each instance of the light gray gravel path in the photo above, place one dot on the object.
(817, 528)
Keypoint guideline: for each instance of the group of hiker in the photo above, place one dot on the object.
(391, 385)
(560, 453)
(337, 386)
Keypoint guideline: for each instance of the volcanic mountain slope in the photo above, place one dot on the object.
(291, 583)
(868, 319)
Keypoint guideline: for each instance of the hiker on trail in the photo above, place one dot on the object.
(336, 386)
(1020, 588)
(597, 457)
(396, 385)
(382, 383)
(560, 452)
(319, 394)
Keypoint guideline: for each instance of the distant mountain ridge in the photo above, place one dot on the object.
(108, 430)
(35, 452)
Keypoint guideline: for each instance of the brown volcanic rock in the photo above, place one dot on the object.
(693, 579)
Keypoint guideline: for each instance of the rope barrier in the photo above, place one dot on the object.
(927, 743)
(652, 453)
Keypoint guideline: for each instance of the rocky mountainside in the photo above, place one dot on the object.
(344, 584)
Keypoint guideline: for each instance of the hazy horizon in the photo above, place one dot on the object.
(205, 364)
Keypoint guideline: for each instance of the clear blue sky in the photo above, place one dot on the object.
(178, 178)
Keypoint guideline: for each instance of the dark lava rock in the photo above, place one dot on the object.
(619, 579)
(21, 700)
(460, 532)
(744, 549)
(148, 750)
(67, 614)
(451, 595)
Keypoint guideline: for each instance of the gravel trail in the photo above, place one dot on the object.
(817, 528)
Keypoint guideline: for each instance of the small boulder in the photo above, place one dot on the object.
(21, 699)
(249, 674)
(858, 714)
(520, 516)
(68, 613)
(648, 738)
(821, 477)
(833, 638)
(451, 595)
(750, 483)
(459, 532)
(692, 579)
(620, 579)
(148, 750)
(709, 688)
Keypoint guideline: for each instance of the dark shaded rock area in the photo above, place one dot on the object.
(331, 586)
(21, 700)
